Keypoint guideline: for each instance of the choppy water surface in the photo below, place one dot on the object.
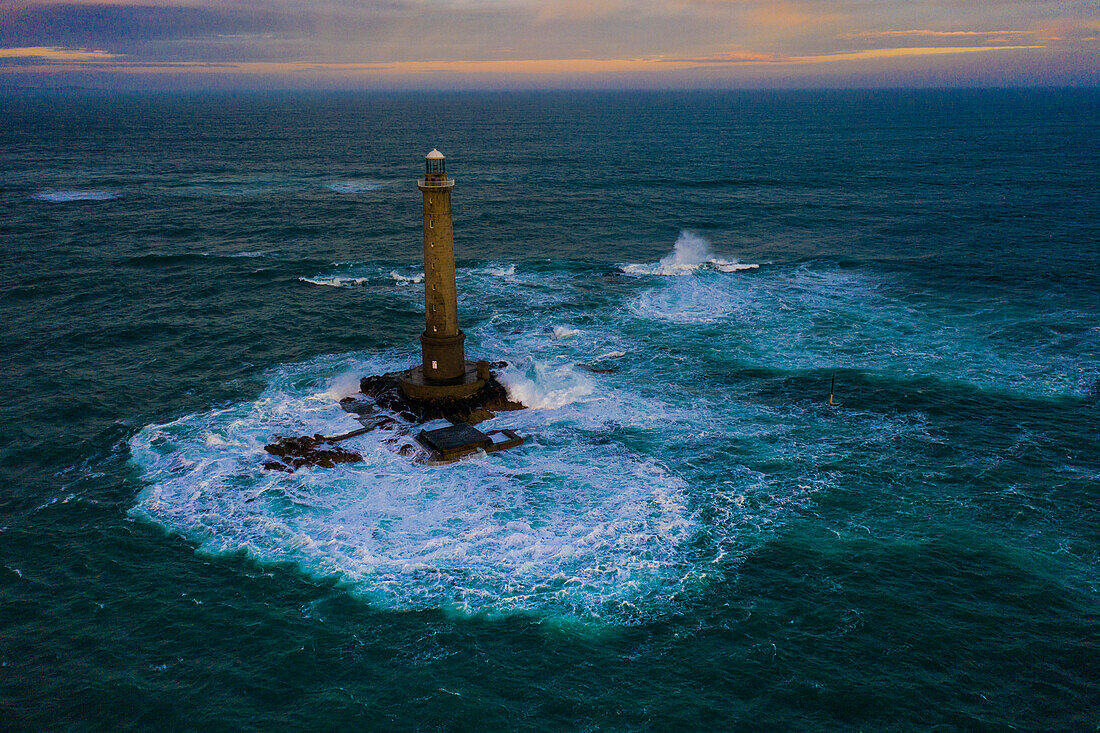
(691, 537)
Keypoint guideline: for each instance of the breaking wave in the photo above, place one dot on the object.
(337, 282)
(690, 253)
(502, 271)
(630, 495)
(406, 279)
(564, 332)
(543, 385)
(569, 524)
(352, 275)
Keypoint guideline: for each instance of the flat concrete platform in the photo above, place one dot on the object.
(454, 437)
(457, 441)
(454, 441)
(416, 386)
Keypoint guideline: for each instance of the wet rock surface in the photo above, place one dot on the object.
(382, 405)
(316, 450)
(385, 390)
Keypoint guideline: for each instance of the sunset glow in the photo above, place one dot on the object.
(485, 43)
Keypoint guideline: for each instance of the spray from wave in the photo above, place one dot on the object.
(690, 253)
(564, 332)
(543, 385)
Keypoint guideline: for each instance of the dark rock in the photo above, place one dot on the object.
(385, 389)
(357, 406)
(474, 417)
(383, 392)
(307, 451)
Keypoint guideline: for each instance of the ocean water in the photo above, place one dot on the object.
(692, 540)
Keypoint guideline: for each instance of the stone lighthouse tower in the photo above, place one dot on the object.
(444, 373)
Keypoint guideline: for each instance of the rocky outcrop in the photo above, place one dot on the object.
(316, 450)
(385, 390)
(381, 400)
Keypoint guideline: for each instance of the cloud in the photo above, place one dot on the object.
(364, 39)
(53, 53)
(949, 34)
(748, 57)
(108, 25)
(535, 67)
(889, 53)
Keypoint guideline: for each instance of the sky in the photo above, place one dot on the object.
(445, 44)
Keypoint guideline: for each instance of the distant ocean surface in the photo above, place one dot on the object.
(692, 539)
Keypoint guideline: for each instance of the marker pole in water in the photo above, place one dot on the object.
(832, 387)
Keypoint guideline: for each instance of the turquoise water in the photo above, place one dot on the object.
(694, 540)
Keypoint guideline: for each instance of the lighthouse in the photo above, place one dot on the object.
(443, 374)
(442, 386)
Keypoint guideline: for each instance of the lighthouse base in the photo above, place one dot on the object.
(416, 386)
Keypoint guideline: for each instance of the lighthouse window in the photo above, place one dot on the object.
(435, 365)
(431, 223)
(433, 309)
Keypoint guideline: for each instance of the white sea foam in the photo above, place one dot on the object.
(727, 266)
(543, 385)
(564, 332)
(406, 279)
(625, 496)
(502, 271)
(690, 253)
(565, 525)
(61, 197)
(356, 275)
(337, 282)
(341, 386)
(689, 300)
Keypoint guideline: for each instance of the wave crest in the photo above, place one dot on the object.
(337, 282)
(690, 253)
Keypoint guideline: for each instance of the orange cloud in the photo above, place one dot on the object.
(537, 67)
(885, 53)
(53, 53)
(952, 34)
(745, 57)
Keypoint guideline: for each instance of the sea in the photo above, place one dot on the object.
(813, 425)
